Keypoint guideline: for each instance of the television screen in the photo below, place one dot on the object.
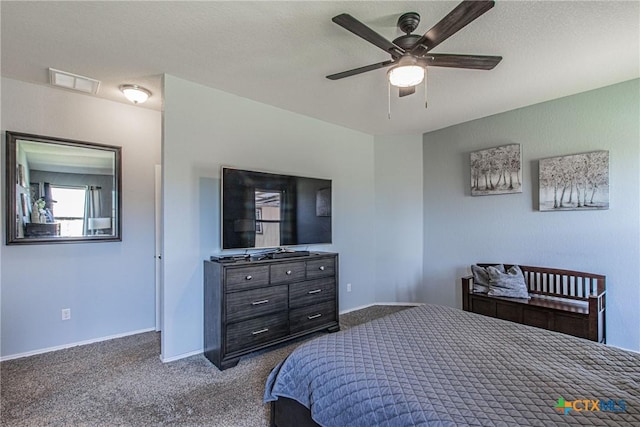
(267, 210)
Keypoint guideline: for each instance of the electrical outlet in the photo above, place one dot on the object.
(348, 287)
(66, 313)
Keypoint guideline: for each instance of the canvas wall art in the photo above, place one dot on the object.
(575, 182)
(496, 171)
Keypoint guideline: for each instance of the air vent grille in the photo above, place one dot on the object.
(73, 81)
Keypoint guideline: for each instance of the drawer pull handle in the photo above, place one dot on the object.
(249, 277)
(315, 316)
(321, 268)
(261, 331)
(288, 272)
(315, 291)
(264, 301)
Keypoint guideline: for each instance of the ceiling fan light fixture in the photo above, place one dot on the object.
(406, 75)
(134, 93)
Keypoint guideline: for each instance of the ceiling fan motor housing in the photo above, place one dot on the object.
(406, 42)
(408, 22)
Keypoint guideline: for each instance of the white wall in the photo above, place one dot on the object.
(204, 129)
(399, 218)
(461, 230)
(108, 286)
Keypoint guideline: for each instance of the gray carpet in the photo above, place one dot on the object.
(122, 382)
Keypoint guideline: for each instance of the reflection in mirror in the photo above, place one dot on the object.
(268, 218)
(61, 190)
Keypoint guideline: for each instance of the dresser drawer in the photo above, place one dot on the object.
(247, 277)
(287, 272)
(254, 332)
(257, 302)
(304, 318)
(311, 292)
(321, 268)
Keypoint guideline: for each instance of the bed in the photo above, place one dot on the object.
(436, 365)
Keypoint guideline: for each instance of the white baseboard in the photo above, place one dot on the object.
(75, 344)
(169, 359)
(410, 304)
(623, 348)
(194, 353)
(180, 356)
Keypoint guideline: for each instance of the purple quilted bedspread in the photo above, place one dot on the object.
(434, 365)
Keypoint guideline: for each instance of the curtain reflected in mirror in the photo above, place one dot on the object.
(61, 190)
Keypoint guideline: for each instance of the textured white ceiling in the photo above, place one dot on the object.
(279, 53)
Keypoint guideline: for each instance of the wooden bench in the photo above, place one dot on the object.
(565, 301)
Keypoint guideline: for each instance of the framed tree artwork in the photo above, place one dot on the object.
(496, 171)
(575, 182)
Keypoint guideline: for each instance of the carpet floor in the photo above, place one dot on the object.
(122, 382)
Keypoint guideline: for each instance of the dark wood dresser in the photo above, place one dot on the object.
(250, 305)
(39, 229)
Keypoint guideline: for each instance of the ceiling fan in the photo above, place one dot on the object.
(410, 53)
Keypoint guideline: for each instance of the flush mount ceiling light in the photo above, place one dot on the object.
(72, 81)
(134, 93)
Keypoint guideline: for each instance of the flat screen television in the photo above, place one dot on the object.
(269, 210)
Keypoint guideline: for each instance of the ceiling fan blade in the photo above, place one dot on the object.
(475, 62)
(350, 23)
(457, 19)
(404, 91)
(360, 70)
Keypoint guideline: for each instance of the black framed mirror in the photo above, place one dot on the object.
(61, 191)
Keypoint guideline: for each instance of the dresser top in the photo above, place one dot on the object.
(254, 259)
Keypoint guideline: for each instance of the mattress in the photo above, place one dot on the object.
(435, 365)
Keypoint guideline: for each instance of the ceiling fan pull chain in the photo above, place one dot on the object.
(425, 87)
(389, 99)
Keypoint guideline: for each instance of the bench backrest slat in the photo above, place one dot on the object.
(561, 283)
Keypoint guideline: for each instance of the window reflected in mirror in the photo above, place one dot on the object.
(268, 218)
(61, 190)
(68, 208)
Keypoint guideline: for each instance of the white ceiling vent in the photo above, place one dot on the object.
(73, 81)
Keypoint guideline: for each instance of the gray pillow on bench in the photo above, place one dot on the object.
(481, 277)
(509, 284)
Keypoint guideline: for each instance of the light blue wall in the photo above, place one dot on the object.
(108, 286)
(461, 230)
(381, 254)
(399, 218)
(205, 129)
